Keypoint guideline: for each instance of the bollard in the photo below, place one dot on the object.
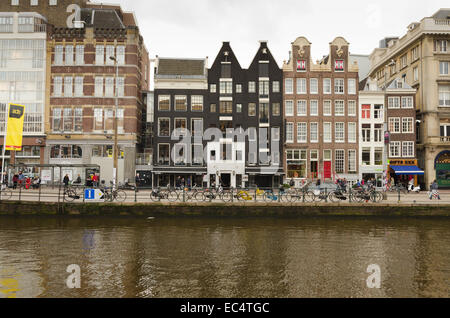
(39, 188)
(398, 189)
(349, 194)
(184, 194)
(279, 194)
(20, 193)
(326, 194)
(210, 195)
(303, 195)
(84, 190)
(232, 195)
(135, 193)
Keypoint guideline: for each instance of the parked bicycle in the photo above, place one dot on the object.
(6, 193)
(158, 195)
(70, 194)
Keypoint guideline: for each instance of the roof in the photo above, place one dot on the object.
(187, 67)
(363, 64)
(102, 18)
(395, 84)
(442, 14)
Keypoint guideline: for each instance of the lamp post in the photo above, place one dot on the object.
(115, 149)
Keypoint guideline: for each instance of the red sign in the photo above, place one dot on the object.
(339, 65)
(301, 65)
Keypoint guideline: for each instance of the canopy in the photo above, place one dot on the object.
(407, 170)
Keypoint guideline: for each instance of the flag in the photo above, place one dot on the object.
(14, 131)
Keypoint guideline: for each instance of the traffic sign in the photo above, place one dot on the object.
(93, 195)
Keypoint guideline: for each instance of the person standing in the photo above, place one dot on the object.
(66, 180)
(434, 190)
(21, 178)
(95, 180)
(318, 182)
(15, 179)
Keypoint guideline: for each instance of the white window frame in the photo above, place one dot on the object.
(444, 95)
(302, 107)
(313, 86)
(393, 144)
(339, 137)
(392, 121)
(352, 132)
(212, 88)
(407, 102)
(289, 125)
(351, 86)
(327, 86)
(351, 107)
(351, 160)
(327, 135)
(409, 121)
(443, 67)
(289, 111)
(79, 55)
(338, 88)
(336, 112)
(289, 86)
(302, 132)
(312, 132)
(301, 85)
(408, 149)
(393, 102)
(275, 86)
(336, 160)
(325, 110)
(314, 111)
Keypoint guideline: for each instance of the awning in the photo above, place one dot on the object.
(407, 170)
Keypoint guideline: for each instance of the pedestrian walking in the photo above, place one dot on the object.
(66, 180)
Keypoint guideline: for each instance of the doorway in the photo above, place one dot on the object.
(225, 179)
(327, 169)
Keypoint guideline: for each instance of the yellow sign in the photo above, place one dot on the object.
(14, 133)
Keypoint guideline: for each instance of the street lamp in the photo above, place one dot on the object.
(115, 149)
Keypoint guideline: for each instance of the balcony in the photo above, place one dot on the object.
(438, 140)
(6, 28)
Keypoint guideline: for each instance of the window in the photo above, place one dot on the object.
(365, 156)
(276, 109)
(100, 55)
(197, 154)
(365, 111)
(196, 126)
(416, 73)
(57, 86)
(78, 119)
(326, 132)
(301, 108)
(339, 108)
(212, 88)
(443, 68)
(98, 86)
(109, 54)
(327, 86)
(34, 2)
(351, 86)
(289, 86)
(352, 160)
(197, 103)
(67, 119)
(339, 161)
(275, 133)
(109, 86)
(289, 132)
(57, 120)
(440, 46)
(79, 55)
(444, 95)
(164, 127)
(339, 132)
(109, 119)
(163, 154)
(378, 112)
(314, 86)
(378, 133)
(69, 55)
(227, 107)
(445, 130)
(415, 53)
(14, 2)
(327, 107)
(226, 87)
(403, 61)
(251, 87)
(301, 85)
(180, 154)
(252, 109)
(275, 87)
(351, 108)
(378, 156)
(394, 124)
(327, 155)
(394, 149)
(302, 132)
(79, 86)
(407, 102)
(339, 86)
(314, 133)
(313, 108)
(407, 125)
(296, 163)
(58, 54)
(264, 113)
(65, 152)
(164, 103)
(394, 102)
(120, 87)
(352, 132)
(98, 119)
(289, 108)
(365, 132)
(180, 103)
(68, 88)
(29, 151)
(263, 88)
(408, 149)
(212, 108)
(181, 124)
(120, 54)
(238, 88)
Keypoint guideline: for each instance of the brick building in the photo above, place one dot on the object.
(321, 113)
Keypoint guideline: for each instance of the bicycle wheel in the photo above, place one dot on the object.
(333, 197)
(226, 196)
(155, 196)
(376, 196)
(309, 196)
(198, 196)
(172, 196)
(69, 195)
(268, 197)
(120, 196)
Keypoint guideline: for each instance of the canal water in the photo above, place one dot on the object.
(224, 258)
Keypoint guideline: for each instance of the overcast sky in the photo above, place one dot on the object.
(196, 28)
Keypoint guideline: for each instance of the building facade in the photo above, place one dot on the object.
(421, 59)
(180, 114)
(23, 38)
(245, 109)
(321, 114)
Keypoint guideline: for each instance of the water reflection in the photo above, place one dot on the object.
(224, 258)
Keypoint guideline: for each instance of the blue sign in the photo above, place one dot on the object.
(93, 195)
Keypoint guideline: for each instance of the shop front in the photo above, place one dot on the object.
(442, 167)
(403, 170)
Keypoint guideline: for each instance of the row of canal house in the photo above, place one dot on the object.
(266, 125)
